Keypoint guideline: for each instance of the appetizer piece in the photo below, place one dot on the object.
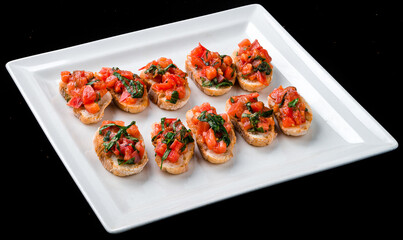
(292, 112)
(85, 94)
(213, 73)
(215, 136)
(254, 70)
(174, 145)
(252, 119)
(167, 84)
(128, 91)
(120, 148)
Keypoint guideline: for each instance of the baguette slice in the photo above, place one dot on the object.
(297, 130)
(140, 105)
(206, 153)
(111, 164)
(255, 139)
(195, 76)
(182, 165)
(248, 85)
(81, 113)
(161, 101)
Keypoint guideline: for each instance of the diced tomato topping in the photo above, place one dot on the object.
(257, 106)
(92, 107)
(249, 59)
(209, 138)
(65, 76)
(75, 102)
(133, 130)
(173, 156)
(89, 95)
(292, 110)
(211, 72)
(84, 88)
(161, 148)
(139, 146)
(221, 147)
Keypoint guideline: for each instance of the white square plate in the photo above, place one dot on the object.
(341, 132)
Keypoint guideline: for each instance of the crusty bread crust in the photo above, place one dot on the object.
(81, 113)
(248, 85)
(254, 139)
(297, 130)
(210, 91)
(182, 165)
(160, 100)
(206, 153)
(111, 164)
(139, 106)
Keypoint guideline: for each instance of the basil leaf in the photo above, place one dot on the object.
(152, 140)
(264, 67)
(165, 156)
(107, 136)
(231, 99)
(163, 123)
(293, 102)
(249, 107)
(224, 83)
(259, 58)
(267, 113)
(92, 82)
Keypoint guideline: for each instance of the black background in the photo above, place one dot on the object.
(359, 45)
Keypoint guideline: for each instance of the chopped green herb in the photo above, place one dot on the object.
(216, 122)
(174, 97)
(135, 88)
(114, 140)
(165, 156)
(293, 102)
(92, 82)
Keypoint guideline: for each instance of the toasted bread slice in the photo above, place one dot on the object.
(161, 101)
(255, 139)
(248, 85)
(298, 130)
(81, 113)
(111, 164)
(185, 153)
(195, 76)
(181, 165)
(139, 106)
(206, 153)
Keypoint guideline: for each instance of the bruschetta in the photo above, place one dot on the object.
(174, 145)
(253, 66)
(86, 94)
(214, 133)
(128, 91)
(292, 112)
(251, 119)
(120, 148)
(212, 73)
(167, 85)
